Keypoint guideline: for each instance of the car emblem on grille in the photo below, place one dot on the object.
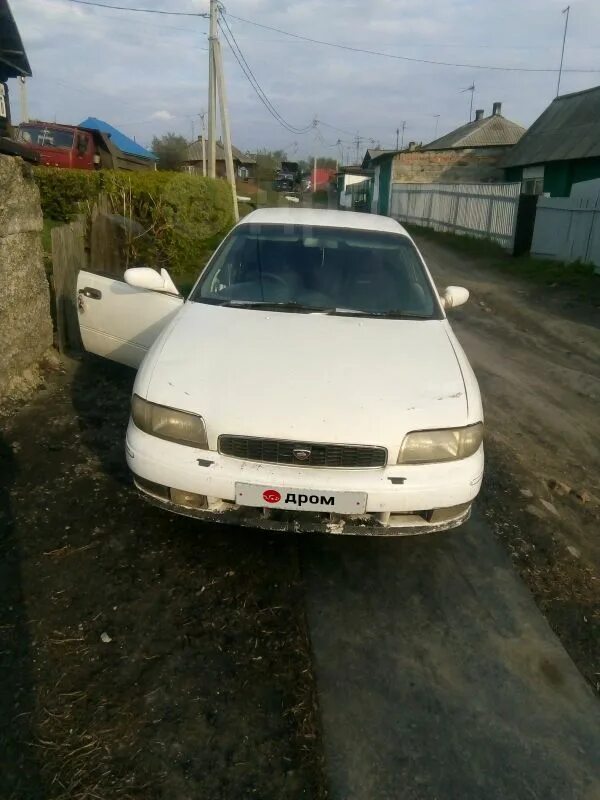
(301, 453)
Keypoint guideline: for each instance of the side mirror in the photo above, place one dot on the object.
(148, 278)
(454, 296)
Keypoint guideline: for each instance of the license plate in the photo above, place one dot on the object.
(249, 494)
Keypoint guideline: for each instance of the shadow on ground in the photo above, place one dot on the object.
(19, 771)
(170, 660)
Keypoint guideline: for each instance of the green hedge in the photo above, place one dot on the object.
(173, 217)
(64, 191)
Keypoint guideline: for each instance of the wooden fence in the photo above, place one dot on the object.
(568, 228)
(95, 242)
(486, 210)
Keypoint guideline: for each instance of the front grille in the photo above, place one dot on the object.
(279, 451)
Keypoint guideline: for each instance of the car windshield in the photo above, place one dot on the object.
(40, 136)
(317, 269)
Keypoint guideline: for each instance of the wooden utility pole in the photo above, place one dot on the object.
(202, 116)
(212, 94)
(216, 87)
(314, 186)
(225, 124)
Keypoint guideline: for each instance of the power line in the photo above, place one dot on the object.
(334, 44)
(334, 128)
(141, 10)
(247, 70)
(258, 88)
(401, 58)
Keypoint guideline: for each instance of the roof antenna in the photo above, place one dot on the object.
(471, 89)
(562, 54)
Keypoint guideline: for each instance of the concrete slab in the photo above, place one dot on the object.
(438, 677)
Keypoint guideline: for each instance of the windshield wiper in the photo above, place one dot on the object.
(394, 314)
(269, 305)
(301, 308)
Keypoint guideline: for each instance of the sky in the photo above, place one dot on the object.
(147, 73)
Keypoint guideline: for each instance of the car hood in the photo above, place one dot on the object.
(308, 377)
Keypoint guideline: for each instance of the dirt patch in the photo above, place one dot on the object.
(536, 353)
(143, 655)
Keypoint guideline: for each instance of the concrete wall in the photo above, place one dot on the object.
(25, 322)
(468, 165)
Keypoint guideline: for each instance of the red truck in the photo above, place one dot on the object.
(61, 145)
(73, 147)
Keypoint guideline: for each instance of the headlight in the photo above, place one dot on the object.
(168, 423)
(422, 447)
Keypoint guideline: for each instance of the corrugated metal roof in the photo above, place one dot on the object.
(569, 128)
(13, 59)
(194, 153)
(492, 131)
(124, 143)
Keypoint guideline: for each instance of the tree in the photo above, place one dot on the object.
(171, 150)
(268, 162)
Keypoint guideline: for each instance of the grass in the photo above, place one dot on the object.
(546, 272)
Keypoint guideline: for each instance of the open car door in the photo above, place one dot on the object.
(119, 321)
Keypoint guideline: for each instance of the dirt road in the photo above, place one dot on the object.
(141, 655)
(145, 656)
(536, 353)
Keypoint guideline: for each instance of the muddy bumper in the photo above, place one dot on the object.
(225, 513)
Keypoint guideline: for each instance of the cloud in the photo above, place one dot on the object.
(122, 67)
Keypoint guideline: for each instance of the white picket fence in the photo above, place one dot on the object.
(486, 210)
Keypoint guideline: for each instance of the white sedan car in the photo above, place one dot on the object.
(310, 381)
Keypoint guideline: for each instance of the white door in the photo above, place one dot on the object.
(119, 321)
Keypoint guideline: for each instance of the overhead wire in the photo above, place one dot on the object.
(398, 57)
(142, 10)
(338, 45)
(229, 37)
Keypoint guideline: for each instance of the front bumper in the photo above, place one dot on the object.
(432, 497)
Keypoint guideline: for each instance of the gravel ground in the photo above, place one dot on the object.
(142, 655)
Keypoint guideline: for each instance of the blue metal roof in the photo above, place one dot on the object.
(124, 143)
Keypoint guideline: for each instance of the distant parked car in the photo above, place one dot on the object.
(310, 382)
(284, 182)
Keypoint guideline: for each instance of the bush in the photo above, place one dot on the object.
(63, 192)
(172, 218)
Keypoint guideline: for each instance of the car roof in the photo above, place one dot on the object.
(327, 218)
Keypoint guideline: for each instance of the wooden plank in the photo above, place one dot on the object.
(68, 257)
(107, 241)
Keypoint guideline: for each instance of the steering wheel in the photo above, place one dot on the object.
(277, 279)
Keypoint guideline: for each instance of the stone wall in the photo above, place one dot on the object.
(467, 165)
(25, 321)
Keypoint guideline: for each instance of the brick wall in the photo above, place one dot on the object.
(468, 165)
(25, 322)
